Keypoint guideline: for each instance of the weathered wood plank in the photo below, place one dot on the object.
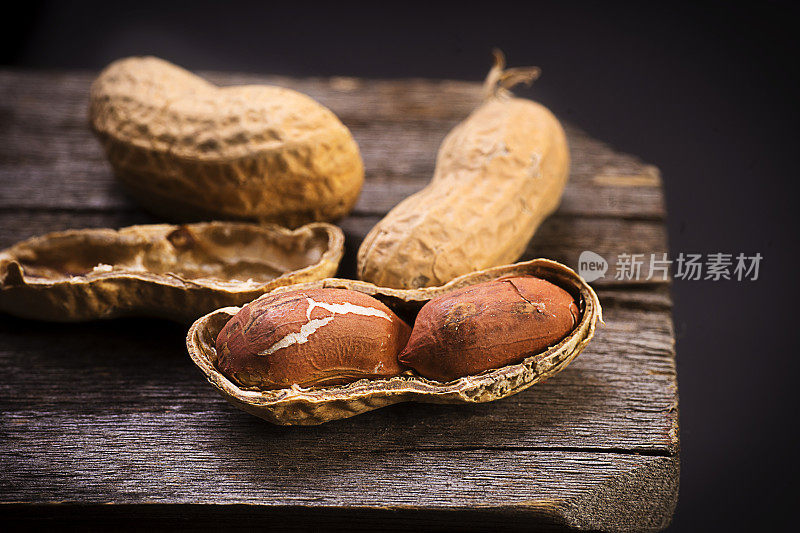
(98, 191)
(49, 158)
(115, 411)
(571, 488)
(559, 238)
(254, 471)
(618, 395)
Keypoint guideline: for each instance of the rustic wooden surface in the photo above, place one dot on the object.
(115, 412)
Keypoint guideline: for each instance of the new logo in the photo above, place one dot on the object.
(591, 266)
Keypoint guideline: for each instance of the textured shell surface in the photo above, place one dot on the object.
(163, 270)
(312, 405)
(189, 149)
(498, 175)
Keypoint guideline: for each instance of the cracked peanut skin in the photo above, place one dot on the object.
(498, 175)
(487, 326)
(190, 150)
(314, 337)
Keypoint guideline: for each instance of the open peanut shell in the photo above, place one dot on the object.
(301, 406)
(162, 270)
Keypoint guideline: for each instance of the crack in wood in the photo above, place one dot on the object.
(648, 452)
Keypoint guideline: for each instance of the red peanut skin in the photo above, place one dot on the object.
(347, 348)
(488, 326)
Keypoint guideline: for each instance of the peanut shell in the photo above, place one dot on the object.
(189, 150)
(309, 406)
(498, 174)
(162, 270)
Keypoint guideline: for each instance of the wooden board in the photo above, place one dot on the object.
(115, 412)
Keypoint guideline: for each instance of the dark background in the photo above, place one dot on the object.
(707, 92)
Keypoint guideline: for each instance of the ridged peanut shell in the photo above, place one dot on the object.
(498, 175)
(311, 337)
(309, 406)
(189, 150)
(161, 270)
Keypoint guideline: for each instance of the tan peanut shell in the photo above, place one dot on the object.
(498, 174)
(190, 150)
(309, 406)
(162, 270)
(311, 338)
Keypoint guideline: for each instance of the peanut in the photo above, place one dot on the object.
(316, 337)
(488, 326)
(498, 175)
(317, 405)
(190, 150)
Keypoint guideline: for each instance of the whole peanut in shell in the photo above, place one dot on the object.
(188, 149)
(488, 326)
(316, 337)
(498, 174)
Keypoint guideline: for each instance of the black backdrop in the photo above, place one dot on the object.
(705, 92)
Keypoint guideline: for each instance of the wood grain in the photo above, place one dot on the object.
(398, 132)
(114, 412)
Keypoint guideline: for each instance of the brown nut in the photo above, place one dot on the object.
(487, 326)
(316, 337)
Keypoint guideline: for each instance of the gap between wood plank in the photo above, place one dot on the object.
(565, 449)
(354, 214)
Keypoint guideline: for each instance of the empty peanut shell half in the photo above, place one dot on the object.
(160, 270)
(309, 406)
